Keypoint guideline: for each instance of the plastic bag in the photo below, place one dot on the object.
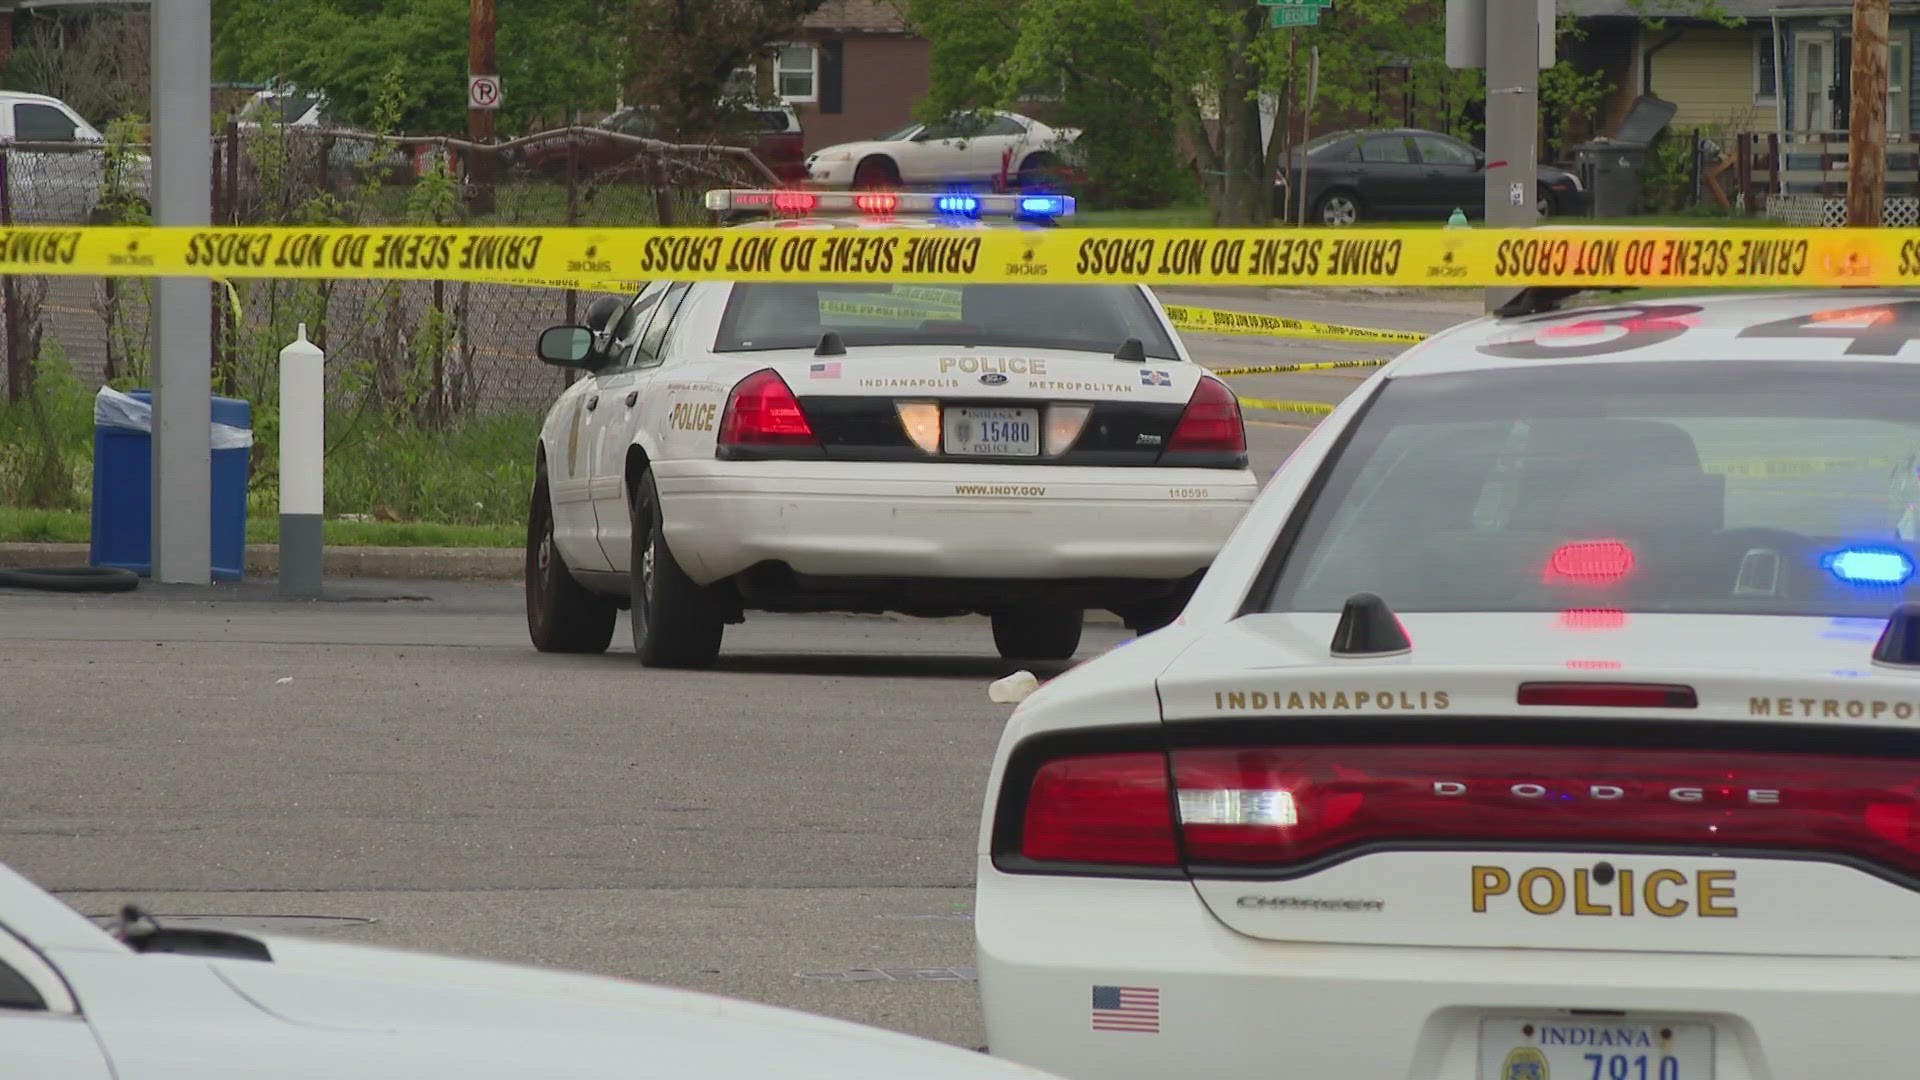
(113, 409)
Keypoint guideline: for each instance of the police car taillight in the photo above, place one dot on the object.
(1286, 807)
(1100, 810)
(1211, 422)
(762, 411)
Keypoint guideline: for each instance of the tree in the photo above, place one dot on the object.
(555, 56)
(684, 53)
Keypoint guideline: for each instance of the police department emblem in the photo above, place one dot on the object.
(1524, 1063)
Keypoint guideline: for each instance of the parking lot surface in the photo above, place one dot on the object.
(396, 766)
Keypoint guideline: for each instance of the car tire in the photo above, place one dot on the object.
(876, 172)
(1038, 633)
(562, 615)
(1337, 208)
(676, 622)
(1035, 170)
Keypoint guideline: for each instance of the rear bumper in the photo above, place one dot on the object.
(891, 520)
(1231, 1005)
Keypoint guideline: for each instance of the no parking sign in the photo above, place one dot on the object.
(483, 91)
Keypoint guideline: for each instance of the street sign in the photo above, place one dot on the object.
(483, 91)
(1295, 16)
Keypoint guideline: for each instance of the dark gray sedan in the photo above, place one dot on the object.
(1404, 174)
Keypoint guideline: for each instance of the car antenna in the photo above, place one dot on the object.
(830, 345)
(1369, 628)
(1131, 351)
(1899, 644)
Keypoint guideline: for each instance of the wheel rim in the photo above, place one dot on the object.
(1541, 207)
(1340, 210)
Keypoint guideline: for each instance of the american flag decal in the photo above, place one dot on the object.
(1126, 1008)
(829, 370)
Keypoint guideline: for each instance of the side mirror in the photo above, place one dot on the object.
(600, 313)
(567, 346)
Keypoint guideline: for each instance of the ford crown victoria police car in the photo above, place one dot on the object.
(1020, 451)
(1554, 713)
(148, 1000)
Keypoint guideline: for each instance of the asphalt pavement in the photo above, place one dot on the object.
(394, 765)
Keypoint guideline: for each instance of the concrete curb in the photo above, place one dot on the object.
(263, 560)
(380, 563)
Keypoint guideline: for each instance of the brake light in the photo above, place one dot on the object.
(1106, 809)
(1211, 421)
(1591, 562)
(1609, 695)
(762, 411)
(1282, 807)
(795, 202)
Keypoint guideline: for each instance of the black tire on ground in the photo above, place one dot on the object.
(1337, 207)
(1034, 170)
(1038, 633)
(70, 578)
(562, 615)
(1543, 206)
(676, 622)
(876, 172)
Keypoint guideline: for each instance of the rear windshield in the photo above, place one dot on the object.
(1695, 487)
(1095, 318)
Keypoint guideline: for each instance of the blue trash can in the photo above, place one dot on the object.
(123, 482)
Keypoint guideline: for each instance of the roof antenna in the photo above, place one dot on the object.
(1899, 644)
(830, 345)
(1368, 628)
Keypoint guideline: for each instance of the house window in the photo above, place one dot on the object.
(796, 73)
(1765, 78)
(1897, 81)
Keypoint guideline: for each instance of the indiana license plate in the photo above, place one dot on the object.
(1594, 1048)
(977, 432)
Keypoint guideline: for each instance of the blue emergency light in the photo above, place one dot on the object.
(1869, 566)
(1044, 205)
(965, 205)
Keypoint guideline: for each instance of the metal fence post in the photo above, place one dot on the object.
(9, 290)
(573, 204)
(662, 198)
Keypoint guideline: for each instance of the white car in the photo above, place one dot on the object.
(1021, 451)
(1554, 714)
(147, 1001)
(961, 150)
(60, 177)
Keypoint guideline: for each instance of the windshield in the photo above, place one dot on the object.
(898, 134)
(1098, 318)
(1695, 487)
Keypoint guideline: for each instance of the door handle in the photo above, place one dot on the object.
(632, 397)
(593, 401)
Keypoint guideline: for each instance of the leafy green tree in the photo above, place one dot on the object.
(554, 56)
(684, 53)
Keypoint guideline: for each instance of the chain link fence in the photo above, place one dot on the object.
(423, 352)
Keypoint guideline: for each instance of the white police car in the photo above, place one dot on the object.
(1554, 713)
(1020, 451)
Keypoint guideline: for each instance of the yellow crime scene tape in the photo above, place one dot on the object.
(586, 257)
(1208, 320)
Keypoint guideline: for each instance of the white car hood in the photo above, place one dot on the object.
(1748, 668)
(870, 146)
(499, 1018)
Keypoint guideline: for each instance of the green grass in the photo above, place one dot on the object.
(75, 527)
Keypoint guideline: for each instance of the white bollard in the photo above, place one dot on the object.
(303, 420)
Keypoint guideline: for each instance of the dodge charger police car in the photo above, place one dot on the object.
(1551, 714)
(1024, 452)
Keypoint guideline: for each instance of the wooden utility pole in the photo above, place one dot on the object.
(1867, 116)
(480, 61)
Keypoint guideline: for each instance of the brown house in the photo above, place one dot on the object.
(856, 72)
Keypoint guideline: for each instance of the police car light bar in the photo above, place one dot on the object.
(889, 202)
